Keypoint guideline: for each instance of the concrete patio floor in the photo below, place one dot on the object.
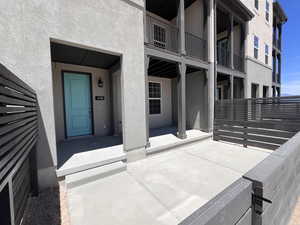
(87, 152)
(164, 188)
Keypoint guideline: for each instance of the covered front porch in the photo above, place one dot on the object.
(89, 152)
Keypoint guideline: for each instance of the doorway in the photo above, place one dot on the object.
(78, 106)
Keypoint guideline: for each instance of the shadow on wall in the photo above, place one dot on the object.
(45, 162)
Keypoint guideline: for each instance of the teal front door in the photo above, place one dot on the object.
(78, 109)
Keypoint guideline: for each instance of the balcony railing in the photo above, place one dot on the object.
(162, 34)
(239, 62)
(196, 47)
(223, 56)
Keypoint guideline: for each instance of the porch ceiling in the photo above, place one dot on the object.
(161, 68)
(79, 56)
(167, 9)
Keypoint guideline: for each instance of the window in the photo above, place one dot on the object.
(267, 10)
(154, 98)
(256, 47)
(266, 54)
(256, 4)
(159, 35)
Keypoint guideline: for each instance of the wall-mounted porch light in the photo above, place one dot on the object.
(100, 83)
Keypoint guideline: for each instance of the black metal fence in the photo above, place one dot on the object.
(264, 122)
(18, 137)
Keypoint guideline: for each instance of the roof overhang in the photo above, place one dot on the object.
(279, 12)
(238, 8)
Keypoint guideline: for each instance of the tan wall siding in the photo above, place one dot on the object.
(165, 118)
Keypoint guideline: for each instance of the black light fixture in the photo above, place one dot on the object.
(100, 83)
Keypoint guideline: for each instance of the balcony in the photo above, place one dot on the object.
(195, 46)
(162, 34)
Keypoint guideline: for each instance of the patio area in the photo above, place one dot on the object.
(163, 188)
(88, 152)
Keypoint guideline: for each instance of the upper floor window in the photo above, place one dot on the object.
(154, 98)
(266, 54)
(159, 36)
(256, 4)
(267, 10)
(256, 46)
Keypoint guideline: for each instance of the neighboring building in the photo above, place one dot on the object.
(122, 69)
(279, 18)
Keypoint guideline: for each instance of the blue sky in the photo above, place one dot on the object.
(291, 48)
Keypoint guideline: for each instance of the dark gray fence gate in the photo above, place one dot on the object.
(263, 122)
(18, 136)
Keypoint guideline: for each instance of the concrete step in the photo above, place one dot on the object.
(178, 143)
(88, 160)
(87, 176)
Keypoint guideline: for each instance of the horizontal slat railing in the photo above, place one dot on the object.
(196, 47)
(263, 122)
(18, 137)
(165, 37)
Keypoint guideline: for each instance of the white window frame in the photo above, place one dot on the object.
(267, 13)
(267, 54)
(149, 98)
(256, 47)
(166, 35)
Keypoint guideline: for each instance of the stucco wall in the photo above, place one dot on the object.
(260, 27)
(165, 118)
(194, 19)
(260, 74)
(116, 26)
(101, 109)
(196, 101)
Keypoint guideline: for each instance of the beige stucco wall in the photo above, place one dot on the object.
(165, 118)
(101, 109)
(261, 28)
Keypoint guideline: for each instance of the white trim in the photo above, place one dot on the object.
(161, 98)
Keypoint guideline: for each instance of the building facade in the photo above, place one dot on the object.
(128, 70)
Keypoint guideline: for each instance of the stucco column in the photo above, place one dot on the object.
(279, 35)
(147, 60)
(279, 69)
(246, 86)
(211, 73)
(181, 100)
(231, 86)
(146, 38)
(181, 21)
(231, 42)
(274, 67)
